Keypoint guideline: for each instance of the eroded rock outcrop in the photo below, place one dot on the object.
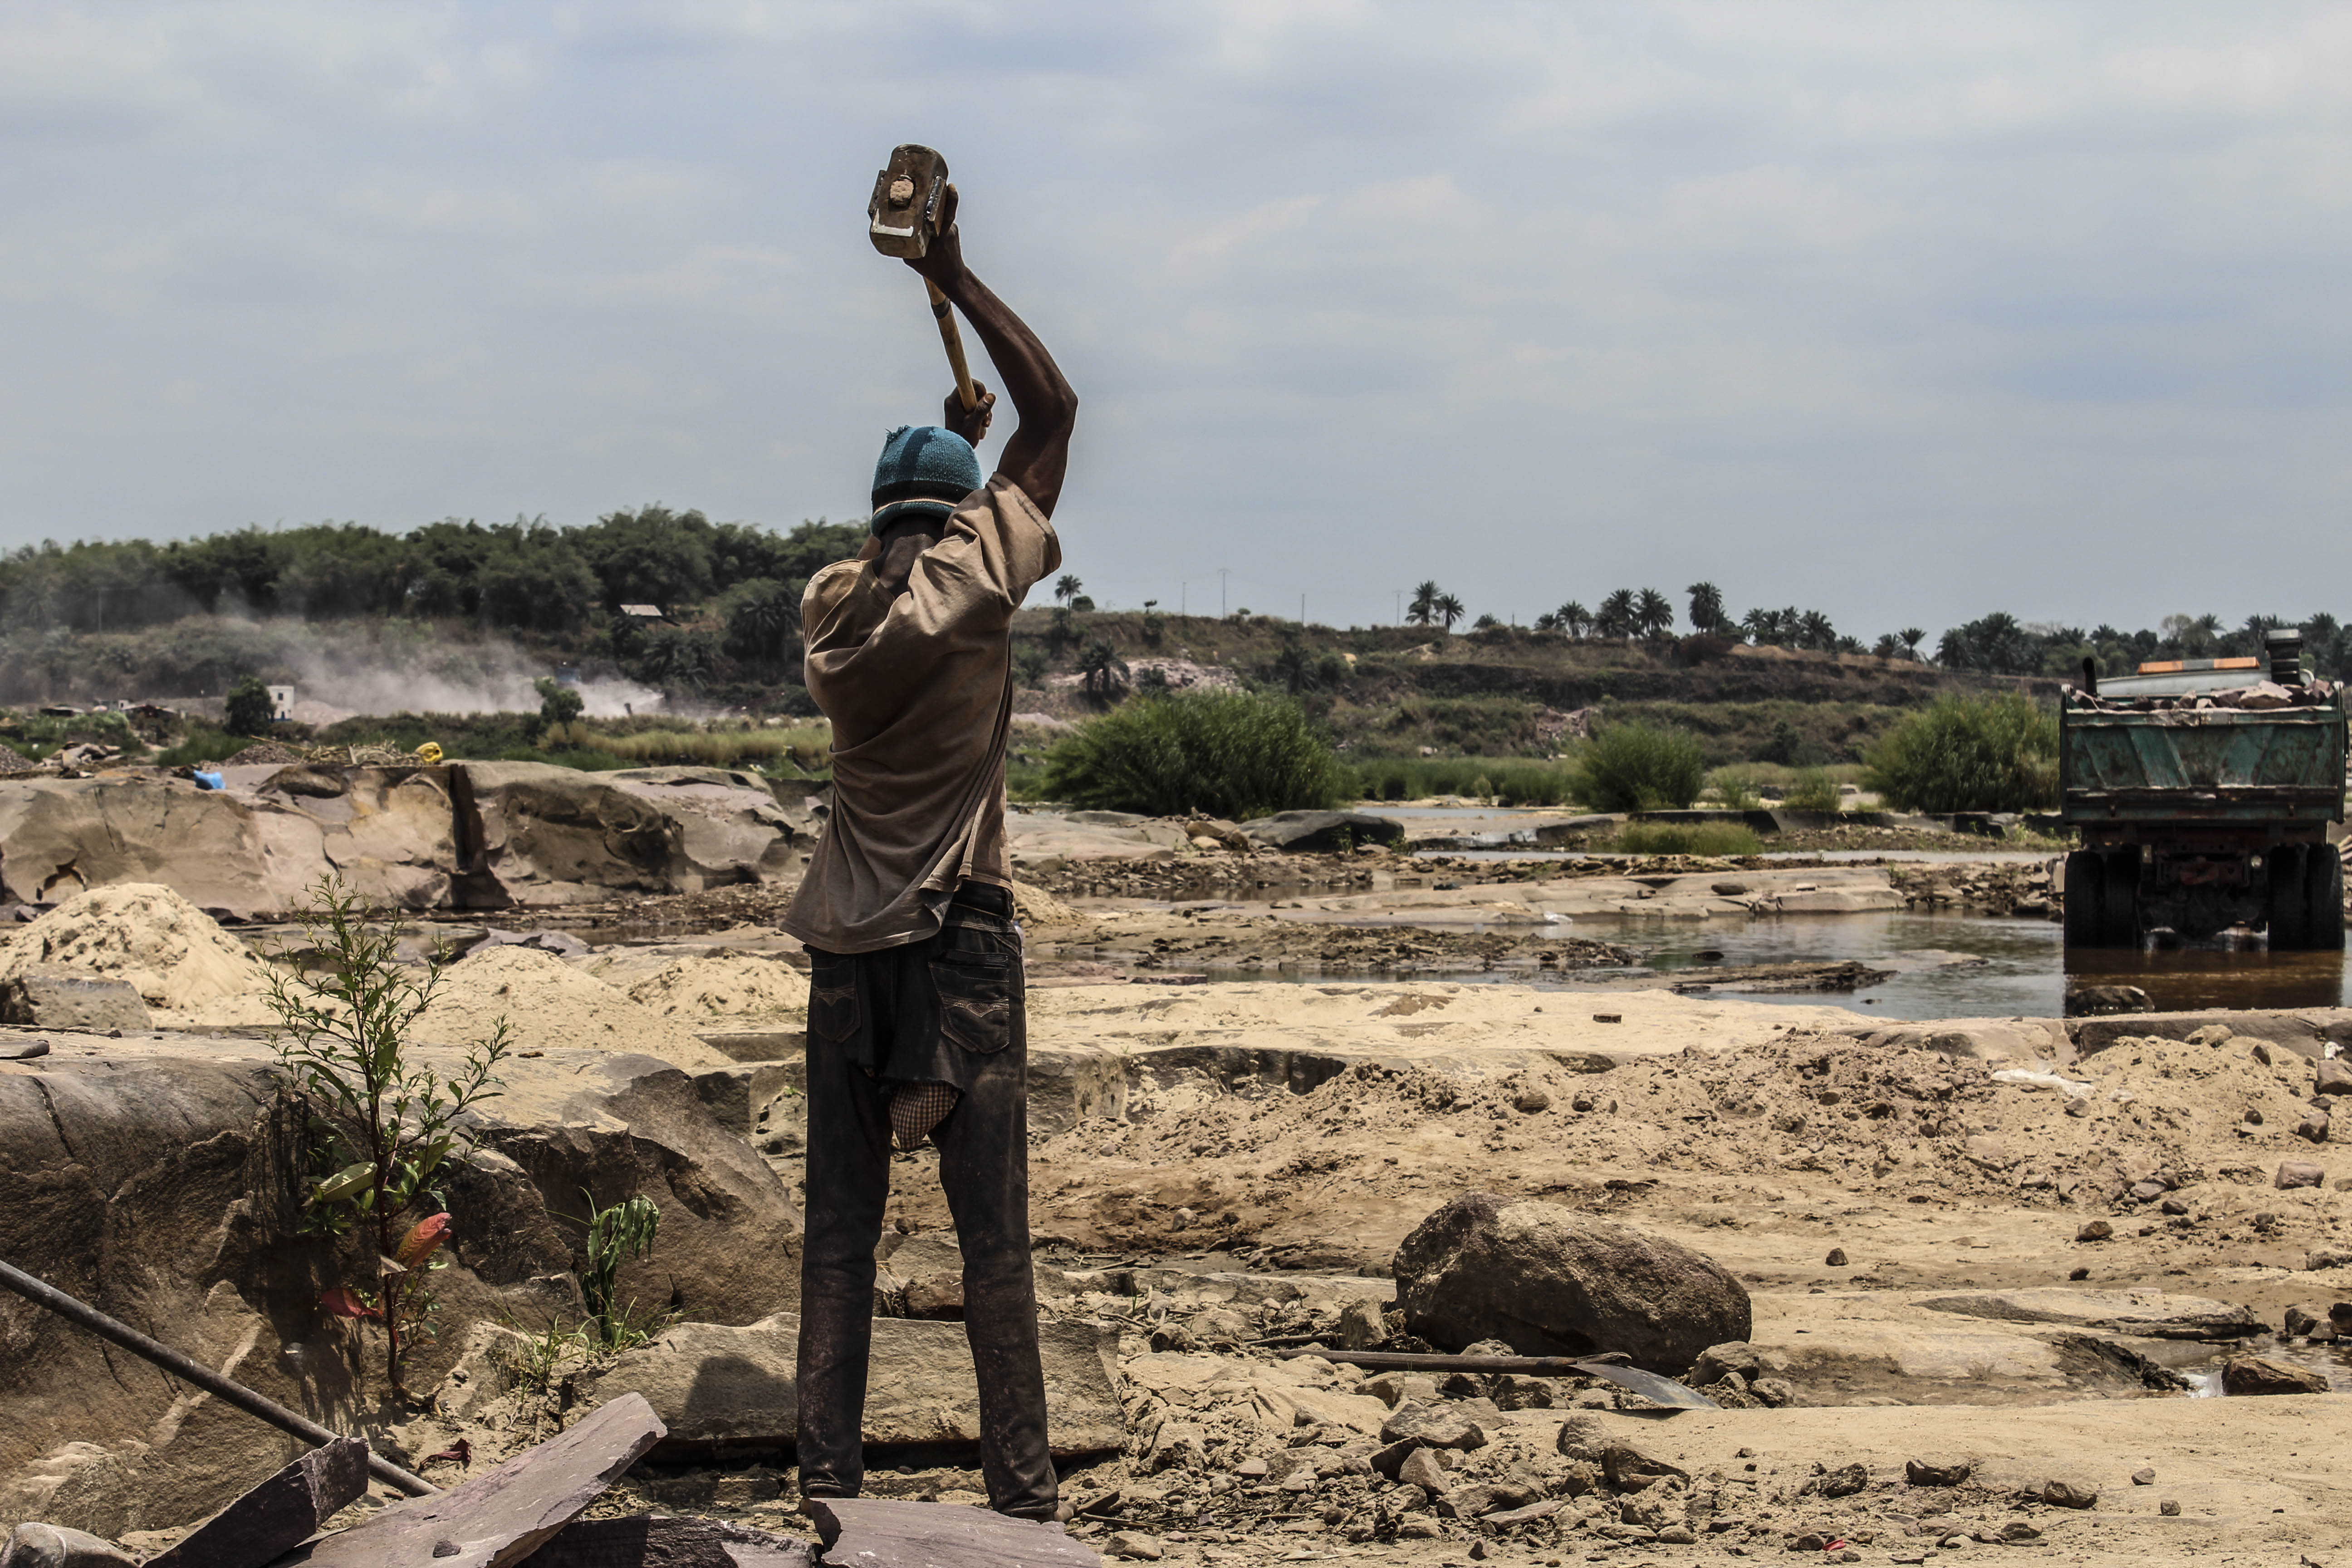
(158, 1184)
(466, 836)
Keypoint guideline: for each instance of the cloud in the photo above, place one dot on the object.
(1804, 299)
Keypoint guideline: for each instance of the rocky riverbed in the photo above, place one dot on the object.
(1982, 1266)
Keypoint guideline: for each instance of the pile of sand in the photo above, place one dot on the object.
(550, 1005)
(171, 951)
(13, 760)
(728, 984)
(1033, 906)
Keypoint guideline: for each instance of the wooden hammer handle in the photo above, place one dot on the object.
(953, 339)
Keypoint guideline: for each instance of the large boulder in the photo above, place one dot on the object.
(161, 1182)
(554, 835)
(1550, 1281)
(1302, 832)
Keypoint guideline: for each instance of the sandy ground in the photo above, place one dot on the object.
(1917, 1233)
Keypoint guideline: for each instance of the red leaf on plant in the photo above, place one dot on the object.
(343, 1304)
(422, 1241)
(461, 1450)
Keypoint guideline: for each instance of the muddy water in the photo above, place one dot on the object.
(2021, 967)
(1944, 965)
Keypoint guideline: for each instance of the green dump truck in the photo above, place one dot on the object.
(2203, 793)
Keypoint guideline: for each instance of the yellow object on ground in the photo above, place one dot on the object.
(429, 752)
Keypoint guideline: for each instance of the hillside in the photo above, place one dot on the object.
(1503, 691)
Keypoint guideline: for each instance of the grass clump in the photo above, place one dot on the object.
(1513, 780)
(1229, 754)
(1997, 752)
(805, 745)
(1638, 767)
(1734, 789)
(1815, 789)
(1687, 838)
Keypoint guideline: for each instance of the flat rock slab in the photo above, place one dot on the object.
(652, 1542)
(860, 1532)
(279, 1514)
(2152, 1313)
(503, 1515)
(50, 997)
(713, 1385)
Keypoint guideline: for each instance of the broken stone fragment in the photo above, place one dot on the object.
(1845, 1480)
(1393, 1388)
(2245, 1374)
(2299, 1173)
(1414, 1422)
(1362, 1325)
(1422, 1470)
(55, 1546)
(2069, 1491)
(1937, 1470)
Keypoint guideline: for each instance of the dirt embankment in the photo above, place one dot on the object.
(1722, 1143)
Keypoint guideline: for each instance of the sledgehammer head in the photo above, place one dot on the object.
(904, 212)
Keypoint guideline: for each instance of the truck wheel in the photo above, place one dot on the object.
(2289, 872)
(2325, 911)
(2086, 898)
(2119, 889)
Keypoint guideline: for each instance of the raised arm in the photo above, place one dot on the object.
(1039, 451)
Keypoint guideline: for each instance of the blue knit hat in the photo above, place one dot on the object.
(923, 472)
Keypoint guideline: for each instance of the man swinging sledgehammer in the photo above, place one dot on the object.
(916, 1024)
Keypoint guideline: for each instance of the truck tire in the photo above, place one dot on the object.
(2289, 873)
(2119, 890)
(2086, 898)
(2324, 915)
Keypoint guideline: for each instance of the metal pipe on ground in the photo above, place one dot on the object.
(42, 1293)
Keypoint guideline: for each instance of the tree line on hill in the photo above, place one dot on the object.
(730, 595)
(743, 582)
(1995, 644)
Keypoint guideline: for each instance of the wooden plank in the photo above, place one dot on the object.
(279, 1514)
(648, 1540)
(503, 1515)
(869, 1533)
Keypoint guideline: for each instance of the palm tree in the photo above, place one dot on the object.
(1706, 607)
(1066, 587)
(1814, 631)
(1449, 610)
(1912, 637)
(1761, 627)
(1100, 667)
(1549, 621)
(1575, 619)
(1617, 614)
(1423, 608)
(1294, 663)
(1653, 614)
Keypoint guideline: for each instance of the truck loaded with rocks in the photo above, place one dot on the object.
(2203, 793)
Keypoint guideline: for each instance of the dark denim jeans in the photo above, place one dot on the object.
(952, 1009)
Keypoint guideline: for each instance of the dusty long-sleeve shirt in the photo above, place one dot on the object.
(919, 691)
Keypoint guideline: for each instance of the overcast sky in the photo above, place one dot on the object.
(1902, 312)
